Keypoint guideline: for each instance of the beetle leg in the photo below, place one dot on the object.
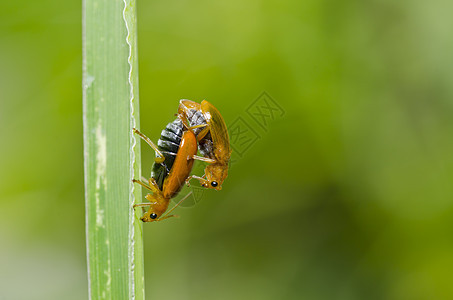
(154, 186)
(205, 159)
(143, 204)
(184, 120)
(171, 153)
(143, 184)
(198, 126)
(161, 157)
(191, 128)
(200, 179)
(202, 133)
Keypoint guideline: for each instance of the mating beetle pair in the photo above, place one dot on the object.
(198, 126)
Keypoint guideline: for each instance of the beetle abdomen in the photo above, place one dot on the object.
(168, 144)
(195, 117)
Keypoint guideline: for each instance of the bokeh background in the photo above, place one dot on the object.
(347, 195)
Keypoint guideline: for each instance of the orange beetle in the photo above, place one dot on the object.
(213, 141)
(175, 151)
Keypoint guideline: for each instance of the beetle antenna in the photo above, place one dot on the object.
(177, 204)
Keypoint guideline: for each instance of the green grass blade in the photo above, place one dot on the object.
(112, 153)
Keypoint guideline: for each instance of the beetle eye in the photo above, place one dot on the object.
(214, 183)
(153, 216)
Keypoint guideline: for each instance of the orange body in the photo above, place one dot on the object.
(182, 166)
(173, 183)
(219, 149)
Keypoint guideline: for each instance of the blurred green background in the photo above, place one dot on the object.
(348, 195)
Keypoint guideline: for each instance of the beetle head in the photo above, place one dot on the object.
(215, 175)
(158, 206)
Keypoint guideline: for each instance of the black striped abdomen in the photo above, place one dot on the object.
(195, 118)
(168, 144)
